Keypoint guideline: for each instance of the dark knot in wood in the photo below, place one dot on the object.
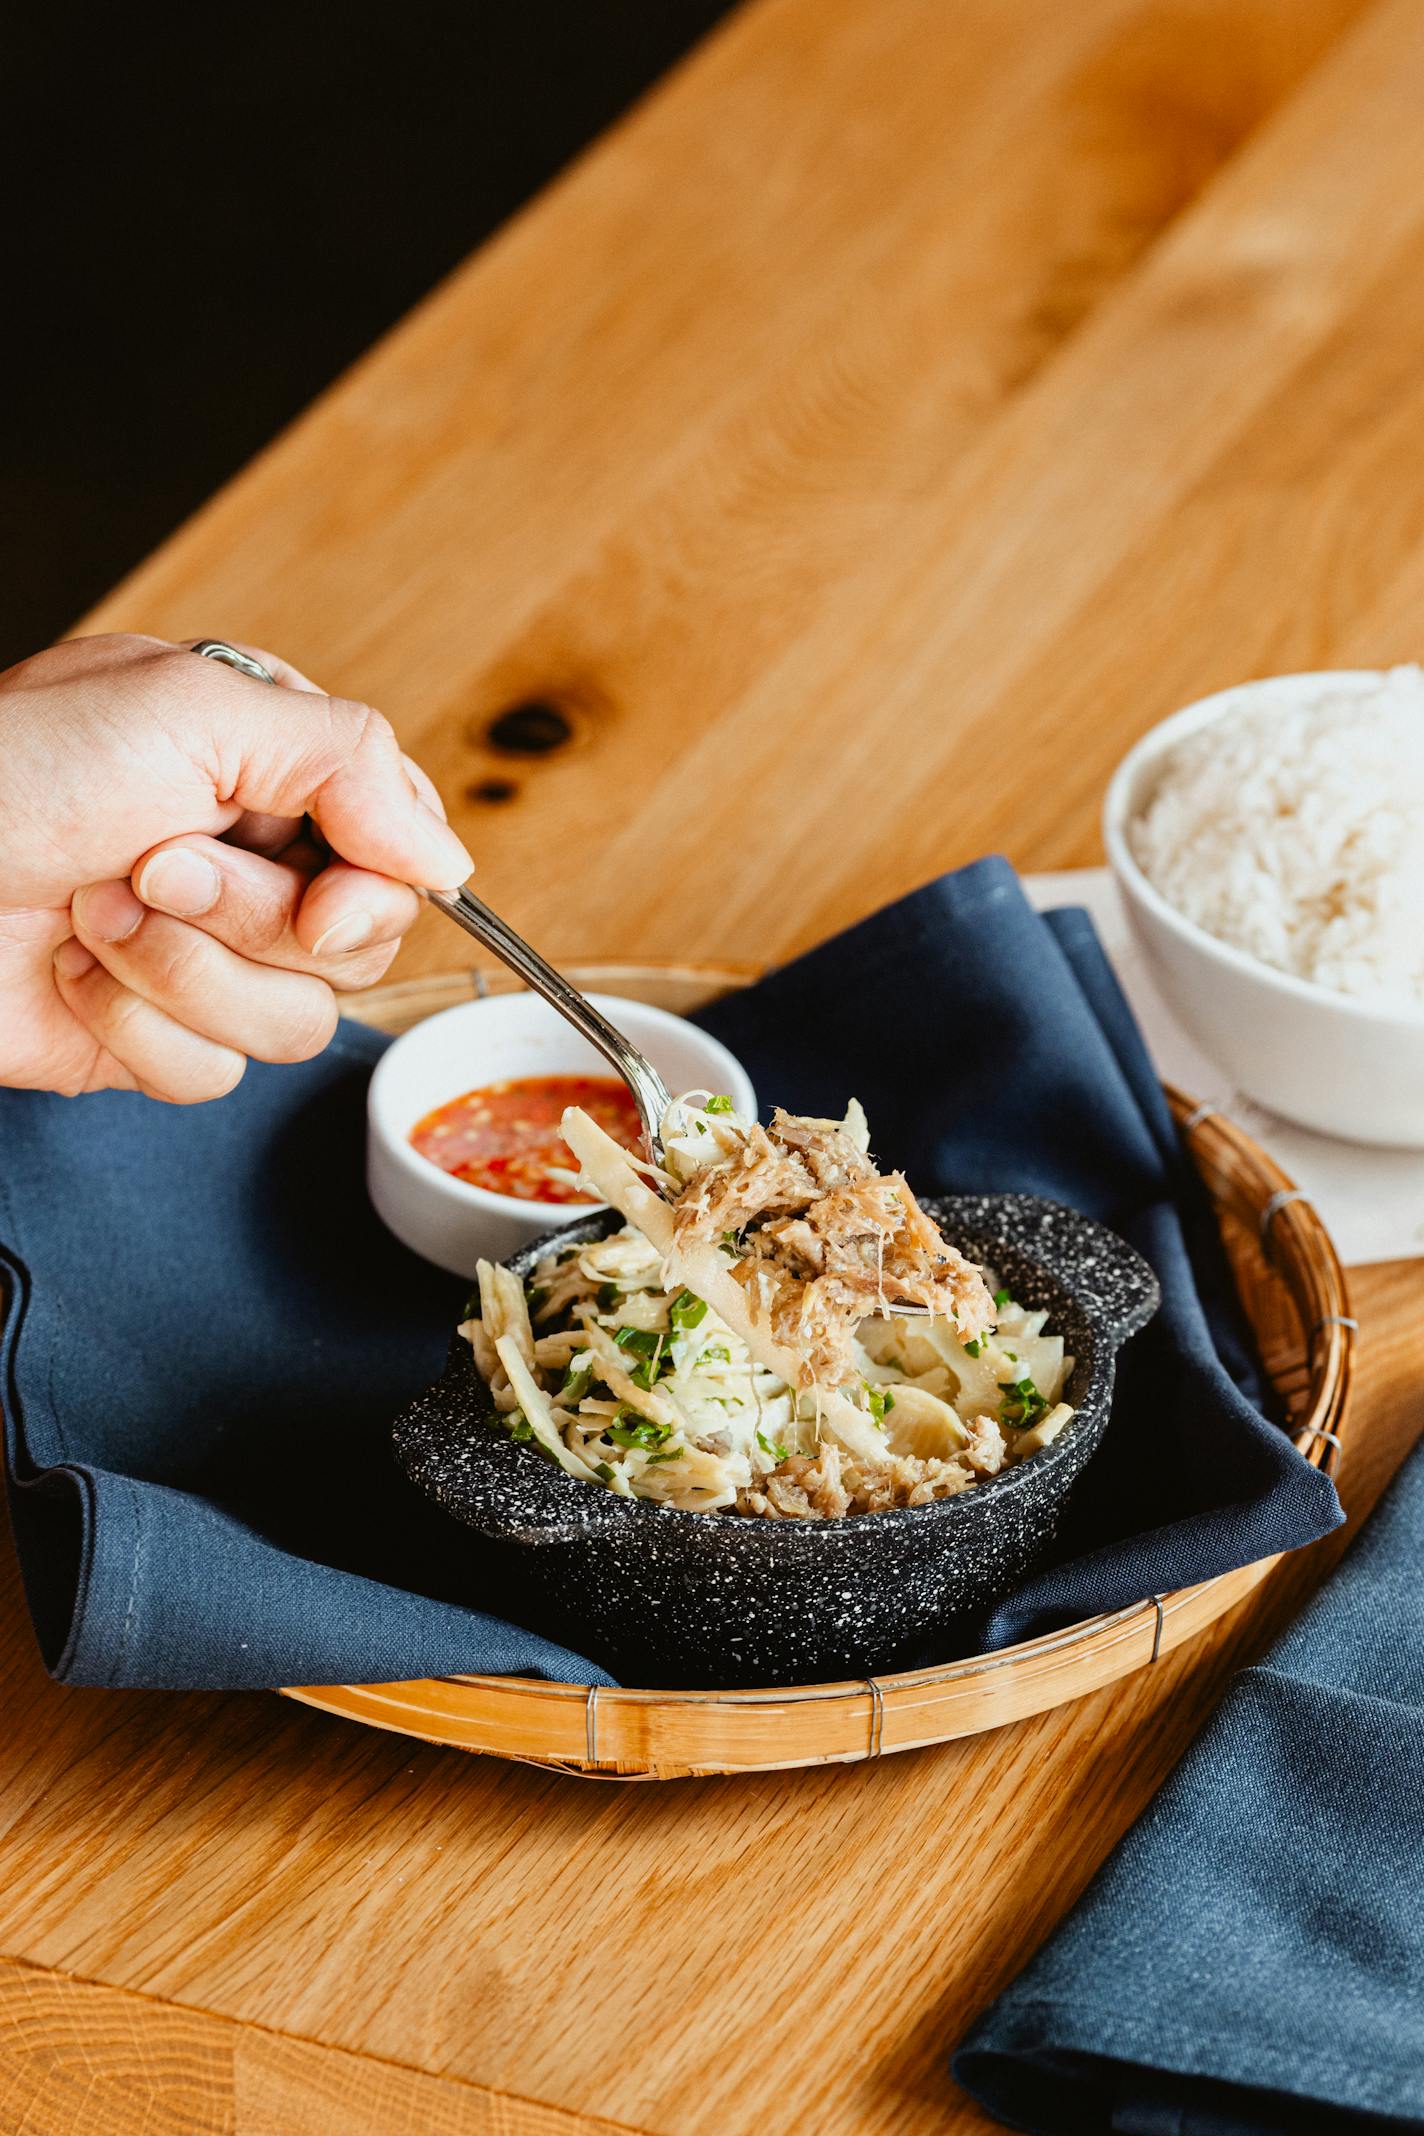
(532, 729)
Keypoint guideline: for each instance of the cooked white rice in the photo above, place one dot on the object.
(1295, 832)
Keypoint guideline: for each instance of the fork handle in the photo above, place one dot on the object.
(650, 1093)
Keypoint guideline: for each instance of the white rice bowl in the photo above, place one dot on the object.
(1294, 832)
(1278, 897)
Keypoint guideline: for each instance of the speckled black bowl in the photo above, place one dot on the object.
(721, 1600)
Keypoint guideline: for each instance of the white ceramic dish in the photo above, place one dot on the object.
(1324, 1059)
(491, 1041)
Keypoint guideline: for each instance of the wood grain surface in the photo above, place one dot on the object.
(82, 2058)
(868, 439)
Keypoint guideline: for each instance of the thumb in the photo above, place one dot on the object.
(292, 753)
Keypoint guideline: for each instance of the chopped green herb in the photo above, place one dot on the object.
(674, 1453)
(717, 1351)
(974, 1348)
(518, 1426)
(603, 1472)
(687, 1310)
(731, 1242)
(774, 1453)
(642, 1341)
(718, 1104)
(536, 1297)
(575, 1385)
(1022, 1405)
(472, 1306)
(701, 1126)
(1002, 1298)
(880, 1401)
(608, 1297)
(649, 1370)
(647, 1345)
(641, 1431)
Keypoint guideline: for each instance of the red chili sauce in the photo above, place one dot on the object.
(506, 1136)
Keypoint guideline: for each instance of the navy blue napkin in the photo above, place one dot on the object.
(213, 1331)
(1250, 1962)
(211, 1335)
(993, 1051)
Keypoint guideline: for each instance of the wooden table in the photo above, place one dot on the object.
(883, 425)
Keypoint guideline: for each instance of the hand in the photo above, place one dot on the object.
(164, 909)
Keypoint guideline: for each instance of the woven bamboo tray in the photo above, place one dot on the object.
(1294, 1291)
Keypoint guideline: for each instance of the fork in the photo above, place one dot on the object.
(650, 1093)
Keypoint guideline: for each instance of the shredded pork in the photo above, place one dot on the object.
(635, 1367)
(834, 1484)
(819, 1240)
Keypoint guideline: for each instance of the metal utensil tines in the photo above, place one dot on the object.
(650, 1093)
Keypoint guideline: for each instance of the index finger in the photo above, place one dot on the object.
(265, 833)
(331, 758)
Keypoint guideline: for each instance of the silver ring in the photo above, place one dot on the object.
(218, 649)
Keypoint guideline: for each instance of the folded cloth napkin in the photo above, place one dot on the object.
(994, 1051)
(212, 1332)
(1250, 1962)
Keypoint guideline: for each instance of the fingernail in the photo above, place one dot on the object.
(181, 883)
(347, 933)
(108, 911)
(72, 960)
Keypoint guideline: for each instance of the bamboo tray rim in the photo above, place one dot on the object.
(575, 1728)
